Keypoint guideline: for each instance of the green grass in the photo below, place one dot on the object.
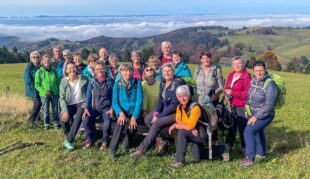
(287, 139)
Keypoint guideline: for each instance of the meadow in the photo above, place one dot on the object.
(287, 144)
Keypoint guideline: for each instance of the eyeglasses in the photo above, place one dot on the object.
(149, 69)
(35, 57)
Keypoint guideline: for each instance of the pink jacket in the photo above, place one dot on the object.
(239, 88)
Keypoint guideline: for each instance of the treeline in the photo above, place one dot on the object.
(14, 56)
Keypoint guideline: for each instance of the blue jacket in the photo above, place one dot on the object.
(128, 100)
(159, 75)
(182, 70)
(86, 73)
(262, 102)
(58, 66)
(29, 76)
(166, 106)
(99, 95)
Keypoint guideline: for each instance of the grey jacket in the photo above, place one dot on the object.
(262, 102)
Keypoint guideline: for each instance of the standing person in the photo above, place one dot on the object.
(104, 56)
(164, 113)
(78, 61)
(154, 63)
(187, 116)
(137, 64)
(166, 52)
(67, 57)
(113, 68)
(47, 84)
(57, 62)
(98, 103)
(209, 81)
(150, 90)
(181, 69)
(236, 87)
(72, 96)
(88, 71)
(31, 92)
(261, 102)
(127, 104)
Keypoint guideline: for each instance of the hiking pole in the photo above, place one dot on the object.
(21, 146)
(11, 145)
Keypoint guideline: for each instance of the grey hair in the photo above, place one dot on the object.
(125, 66)
(169, 65)
(238, 58)
(66, 52)
(35, 53)
(166, 42)
(135, 52)
(112, 56)
(183, 89)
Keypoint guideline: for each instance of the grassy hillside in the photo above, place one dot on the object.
(287, 143)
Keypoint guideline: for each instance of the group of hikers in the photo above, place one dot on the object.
(155, 94)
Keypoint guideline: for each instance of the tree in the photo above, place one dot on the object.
(271, 59)
(84, 53)
(304, 60)
(251, 62)
(146, 53)
(307, 69)
(126, 55)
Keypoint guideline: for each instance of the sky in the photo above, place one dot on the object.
(148, 7)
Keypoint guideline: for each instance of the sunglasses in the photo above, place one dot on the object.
(149, 69)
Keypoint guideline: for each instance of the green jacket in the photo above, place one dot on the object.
(46, 80)
(64, 92)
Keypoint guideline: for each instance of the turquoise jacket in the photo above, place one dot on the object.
(182, 70)
(128, 101)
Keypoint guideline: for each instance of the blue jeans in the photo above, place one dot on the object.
(46, 113)
(90, 125)
(255, 142)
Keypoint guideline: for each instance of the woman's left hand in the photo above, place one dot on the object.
(133, 123)
(252, 120)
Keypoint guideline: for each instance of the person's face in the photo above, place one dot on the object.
(100, 71)
(91, 63)
(126, 74)
(77, 60)
(166, 49)
(149, 72)
(153, 64)
(56, 53)
(237, 65)
(67, 57)
(183, 98)
(205, 60)
(176, 59)
(35, 60)
(113, 63)
(46, 62)
(168, 73)
(71, 70)
(135, 58)
(259, 72)
(103, 53)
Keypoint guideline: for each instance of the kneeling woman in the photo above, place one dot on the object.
(127, 104)
(187, 116)
(72, 96)
(261, 101)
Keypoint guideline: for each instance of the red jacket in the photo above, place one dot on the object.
(239, 89)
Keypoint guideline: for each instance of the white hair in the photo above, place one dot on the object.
(66, 52)
(183, 89)
(169, 65)
(35, 53)
(166, 42)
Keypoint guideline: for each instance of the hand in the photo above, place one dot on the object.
(133, 123)
(83, 105)
(252, 120)
(48, 94)
(195, 132)
(65, 116)
(228, 91)
(154, 119)
(171, 128)
(121, 119)
(85, 114)
(110, 112)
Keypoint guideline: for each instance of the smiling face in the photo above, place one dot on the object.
(71, 70)
(168, 73)
(183, 98)
(103, 53)
(176, 59)
(46, 62)
(77, 60)
(56, 53)
(205, 60)
(237, 65)
(126, 74)
(259, 72)
(166, 49)
(149, 72)
(135, 57)
(100, 71)
(35, 59)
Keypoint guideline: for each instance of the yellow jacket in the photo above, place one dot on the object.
(191, 120)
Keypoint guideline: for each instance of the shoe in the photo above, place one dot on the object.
(246, 163)
(138, 152)
(177, 165)
(56, 126)
(68, 145)
(87, 146)
(112, 154)
(161, 146)
(46, 127)
(226, 156)
(259, 158)
(241, 151)
(103, 146)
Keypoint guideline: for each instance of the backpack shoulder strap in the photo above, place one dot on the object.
(266, 83)
(198, 69)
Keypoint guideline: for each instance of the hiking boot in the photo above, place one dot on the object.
(68, 145)
(103, 146)
(161, 146)
(246, 163)
(226, 156)
(138, 152)
(177, 165)
(87, 146)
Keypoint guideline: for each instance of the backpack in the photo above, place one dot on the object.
(225, 114)
(281, 87)
(207, 118)
(191, 84)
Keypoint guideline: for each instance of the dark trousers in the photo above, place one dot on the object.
(155, 128)
(72, 126)
(255, 138)
(183, 138)
(240, 122)
(90, 125)
(122, 132)
(35, 109)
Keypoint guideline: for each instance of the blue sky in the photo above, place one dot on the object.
(149, 7)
